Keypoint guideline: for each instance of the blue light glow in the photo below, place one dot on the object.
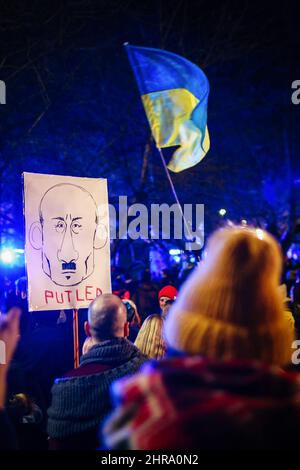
(7, 256)
(10, 256)
(174, 252)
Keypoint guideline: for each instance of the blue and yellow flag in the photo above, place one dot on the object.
(174, 92)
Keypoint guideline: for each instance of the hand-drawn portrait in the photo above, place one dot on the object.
(67, 233)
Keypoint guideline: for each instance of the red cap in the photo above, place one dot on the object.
(168, 291)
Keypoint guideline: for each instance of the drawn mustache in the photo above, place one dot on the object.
(68, 266)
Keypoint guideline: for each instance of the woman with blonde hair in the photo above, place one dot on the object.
(225, 386)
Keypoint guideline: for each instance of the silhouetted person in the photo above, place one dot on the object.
(145, 296)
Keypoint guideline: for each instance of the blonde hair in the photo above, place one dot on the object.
(231, 306)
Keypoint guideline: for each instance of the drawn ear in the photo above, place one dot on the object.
(100, 237)
(36, 236)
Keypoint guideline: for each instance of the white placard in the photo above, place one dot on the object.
(67, 240)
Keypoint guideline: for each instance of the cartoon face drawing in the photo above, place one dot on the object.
(67, 233)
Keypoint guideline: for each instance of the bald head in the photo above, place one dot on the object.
(107, 317)
(71, 197)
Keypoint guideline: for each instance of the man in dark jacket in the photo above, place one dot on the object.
(80, 400)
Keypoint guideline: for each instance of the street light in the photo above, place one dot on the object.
(7, 256)
(222, 212)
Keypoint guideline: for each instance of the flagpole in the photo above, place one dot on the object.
(174, 192)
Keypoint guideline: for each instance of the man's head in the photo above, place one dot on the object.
(67, 234)
(107, 318)
(166, 294)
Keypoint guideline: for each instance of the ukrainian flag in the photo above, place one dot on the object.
(174, 92)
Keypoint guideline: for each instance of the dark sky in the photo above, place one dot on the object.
(73, 106)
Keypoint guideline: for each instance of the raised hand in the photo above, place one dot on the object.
(9, 335)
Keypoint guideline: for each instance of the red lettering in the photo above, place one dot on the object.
(62, 298)
(68, 292)
(48, 295)
(77, 298)
(98, 291)
(88, 292)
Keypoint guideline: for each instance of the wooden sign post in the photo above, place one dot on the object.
(75, 338)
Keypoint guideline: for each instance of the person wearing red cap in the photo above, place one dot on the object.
(150, 339)
(165, 295)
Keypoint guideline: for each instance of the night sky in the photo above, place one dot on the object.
(73, 107)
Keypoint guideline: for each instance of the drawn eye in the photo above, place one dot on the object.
(76, 226)
(60, 226)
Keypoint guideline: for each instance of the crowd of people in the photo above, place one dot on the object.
(204, 366)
